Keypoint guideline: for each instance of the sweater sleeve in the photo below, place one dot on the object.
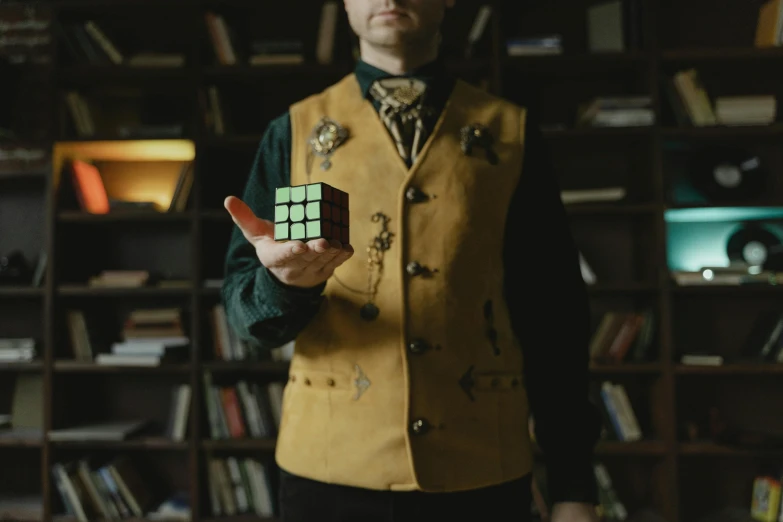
(259, 307)
(549, 308)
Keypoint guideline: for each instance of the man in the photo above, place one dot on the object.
(456, 311)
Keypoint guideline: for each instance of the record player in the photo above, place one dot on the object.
(727, 174)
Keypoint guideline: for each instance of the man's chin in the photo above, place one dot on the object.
(390, 37)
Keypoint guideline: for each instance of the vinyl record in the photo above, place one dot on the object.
(752, 244)
(727, 174)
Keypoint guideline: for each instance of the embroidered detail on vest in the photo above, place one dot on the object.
(327, 136)
(361, 382)
(492, 333)
(478, 135)
(466, 382)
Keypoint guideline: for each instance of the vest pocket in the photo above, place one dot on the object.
(497, 382)
(319, 380)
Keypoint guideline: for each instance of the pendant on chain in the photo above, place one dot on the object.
(369, 312)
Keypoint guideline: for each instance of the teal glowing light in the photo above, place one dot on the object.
(721, 214)
(697, 237)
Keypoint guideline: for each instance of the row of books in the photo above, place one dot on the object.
(151, 337)
(616, 111)
(229, 51)
(87, 41)
(17, 159)
(18, 350)
(25, 33)
(82, 111)
(623, 336)
(243, 410)
(609, 508)
(610, 26)
(693, 105)
(114, 489)
(240, 486)
(228, 346)
(620, 422)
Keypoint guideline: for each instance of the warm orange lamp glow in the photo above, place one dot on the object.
(145, 170)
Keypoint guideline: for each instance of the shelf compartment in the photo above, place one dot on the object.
(150, 443)
(239, 444)
(21, 291)
(87, 291)
(33, 366)
(730, 369)
(265, 367)
(72, 216)
(91, 367)
(626, 368)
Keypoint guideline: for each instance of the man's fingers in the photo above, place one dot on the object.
(306, 257)
(332, 250)
(315, 249)
(281, 254)
(344, 255)
(250, 225)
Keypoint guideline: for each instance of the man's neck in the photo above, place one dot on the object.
(397, 61)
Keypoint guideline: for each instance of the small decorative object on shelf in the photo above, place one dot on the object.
(14, 269)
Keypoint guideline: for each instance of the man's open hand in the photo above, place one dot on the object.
(573, 512)
(294, 263)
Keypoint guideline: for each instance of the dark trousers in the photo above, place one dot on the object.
(304, 500)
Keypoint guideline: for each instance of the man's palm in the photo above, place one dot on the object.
(294, 263)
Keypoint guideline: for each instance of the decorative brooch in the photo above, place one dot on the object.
(327, 136)
(361, 382)
(478, 135)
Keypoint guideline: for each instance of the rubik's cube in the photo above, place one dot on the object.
(312, 211)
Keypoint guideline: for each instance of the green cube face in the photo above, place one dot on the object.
(312, 211)
(283, 195)
(319, 210)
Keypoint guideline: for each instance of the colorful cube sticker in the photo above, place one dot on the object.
(312, 211)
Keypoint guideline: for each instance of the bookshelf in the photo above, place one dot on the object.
(626, 242)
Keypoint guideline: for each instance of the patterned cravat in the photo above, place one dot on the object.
(402, 111)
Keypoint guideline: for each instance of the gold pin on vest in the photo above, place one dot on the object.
(478, 135)
(326, 137)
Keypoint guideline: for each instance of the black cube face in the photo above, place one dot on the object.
(313, 211)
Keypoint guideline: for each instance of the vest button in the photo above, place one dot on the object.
(420, 426)
(415, 195)
(418, 346)
(414, 268)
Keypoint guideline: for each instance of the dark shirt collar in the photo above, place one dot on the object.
(433, 74)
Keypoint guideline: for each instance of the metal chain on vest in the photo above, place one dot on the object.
(375, 254)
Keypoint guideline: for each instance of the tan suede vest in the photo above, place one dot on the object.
(356, 388)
